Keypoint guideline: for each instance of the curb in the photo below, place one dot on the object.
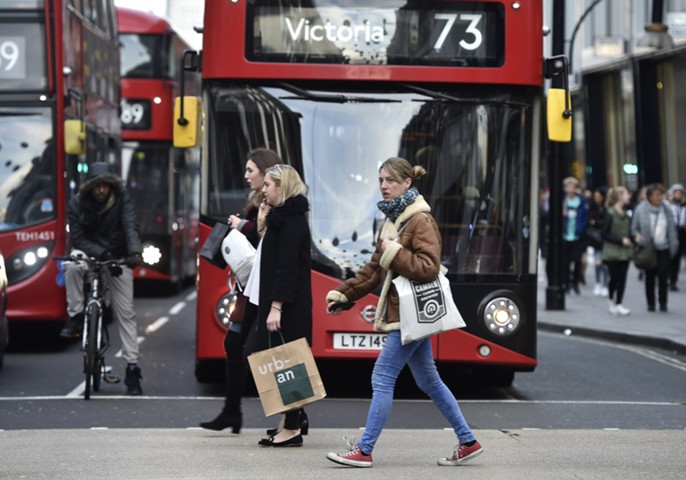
(646, 341)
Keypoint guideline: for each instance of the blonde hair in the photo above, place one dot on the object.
(613, 195)
(288, 179)
(400, 169)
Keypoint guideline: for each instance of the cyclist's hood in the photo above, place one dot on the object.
(99, 172)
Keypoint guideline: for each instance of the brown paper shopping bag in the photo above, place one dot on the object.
(286, 377)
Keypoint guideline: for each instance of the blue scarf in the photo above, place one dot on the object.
(393, 208)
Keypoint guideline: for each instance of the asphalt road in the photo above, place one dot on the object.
(580, 383)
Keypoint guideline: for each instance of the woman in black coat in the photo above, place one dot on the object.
(280, 283)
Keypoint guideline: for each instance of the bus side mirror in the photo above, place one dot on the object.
(185, 122)
(74, 137)
(559, 115)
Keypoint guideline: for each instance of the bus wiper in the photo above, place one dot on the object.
(331, 98)
(438, 96)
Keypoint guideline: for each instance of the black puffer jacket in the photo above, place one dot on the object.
(96, 228)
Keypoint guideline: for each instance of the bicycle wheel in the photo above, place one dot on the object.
(91, 347)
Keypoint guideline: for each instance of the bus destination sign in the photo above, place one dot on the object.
(12, 58)
(464, 34)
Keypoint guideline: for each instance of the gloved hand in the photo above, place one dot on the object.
(115, 270)
(132, 261)
(107, 255)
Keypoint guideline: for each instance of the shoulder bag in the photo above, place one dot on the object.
(645, 256)
(211, 249)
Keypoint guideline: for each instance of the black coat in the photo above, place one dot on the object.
(96, 228)
(285, 275)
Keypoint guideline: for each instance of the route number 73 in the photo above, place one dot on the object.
(471, 29)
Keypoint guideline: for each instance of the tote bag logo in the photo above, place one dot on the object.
(294, 384)
(429, 301)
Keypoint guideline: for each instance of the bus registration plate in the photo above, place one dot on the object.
(358, 341)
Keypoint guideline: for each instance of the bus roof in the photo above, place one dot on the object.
(136, 21)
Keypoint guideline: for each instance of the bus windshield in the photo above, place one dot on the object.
(477, 153)
(145, 56)
(27, 167)
(146, 167)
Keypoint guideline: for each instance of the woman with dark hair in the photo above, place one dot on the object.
(409, 244)
(259, 161)
(280, 283)
(597, 213)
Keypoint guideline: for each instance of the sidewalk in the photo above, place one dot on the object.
(587, 314)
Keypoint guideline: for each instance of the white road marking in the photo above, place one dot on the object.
(644, 352)
(154, 326)
(78, 391)
(191, 296)
(177, 308)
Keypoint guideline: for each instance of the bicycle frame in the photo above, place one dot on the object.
(95, 337)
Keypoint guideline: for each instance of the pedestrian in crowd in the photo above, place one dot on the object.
(408, 244)
(280, 281)
(259, 160)
(617, 247)
(678, 204)
(575, 216)
(653, 222)
(597, 213)
(102, 224)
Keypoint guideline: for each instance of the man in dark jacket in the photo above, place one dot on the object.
(102, 225)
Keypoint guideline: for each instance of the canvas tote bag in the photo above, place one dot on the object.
(286, 377)
(426, 308)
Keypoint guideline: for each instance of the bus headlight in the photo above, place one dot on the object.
(25, 263)
(151, 254)
(225, 307)
(501, 315)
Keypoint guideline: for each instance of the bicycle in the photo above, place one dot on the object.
(95, 339)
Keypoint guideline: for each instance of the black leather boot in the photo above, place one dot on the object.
(73, 327)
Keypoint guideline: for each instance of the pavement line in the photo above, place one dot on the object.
(191, 296)
(644, 352)
(177, 308)
(154, 326)
(531, 402)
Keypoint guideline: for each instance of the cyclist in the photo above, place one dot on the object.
(102, 225)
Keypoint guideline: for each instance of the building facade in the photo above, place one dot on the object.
(629, 98)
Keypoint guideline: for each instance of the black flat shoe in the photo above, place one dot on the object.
(296, 441)
(225, 420)
(304, 425)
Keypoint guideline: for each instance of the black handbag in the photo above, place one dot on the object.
(212, 248)
(645, 257)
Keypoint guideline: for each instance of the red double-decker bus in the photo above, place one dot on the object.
(59, 112)
(163, 181)
(336, 87)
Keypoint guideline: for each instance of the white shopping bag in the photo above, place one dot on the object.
(239, 254)
(426, 308)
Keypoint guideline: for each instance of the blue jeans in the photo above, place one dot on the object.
(419, 357)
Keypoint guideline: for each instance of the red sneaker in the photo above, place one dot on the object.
(353, 457)
(462, 454)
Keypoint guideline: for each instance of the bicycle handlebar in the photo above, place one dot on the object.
(90, 260)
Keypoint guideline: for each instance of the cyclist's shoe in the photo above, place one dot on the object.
(133, 380)
(73, 327)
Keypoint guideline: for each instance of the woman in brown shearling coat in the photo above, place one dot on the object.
(409, 244)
